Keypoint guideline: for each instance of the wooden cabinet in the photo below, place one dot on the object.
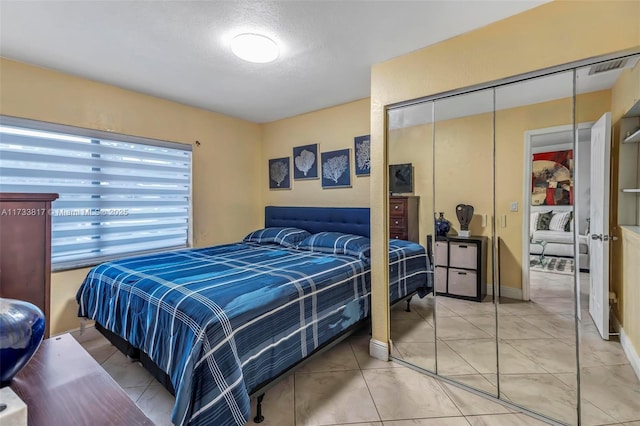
(460, 267)
(403, 218)
(25, 248)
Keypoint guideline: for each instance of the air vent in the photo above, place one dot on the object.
(608, 66)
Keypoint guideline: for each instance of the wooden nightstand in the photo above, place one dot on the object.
(460, 267)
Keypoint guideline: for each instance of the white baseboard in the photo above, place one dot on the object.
(508, 292)
(84, 323)
(627, 346)
(379, 350)
(630, 352)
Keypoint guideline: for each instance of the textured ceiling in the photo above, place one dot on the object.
(178, 50)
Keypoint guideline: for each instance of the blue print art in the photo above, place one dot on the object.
(279, 176)
(336, 170)
(305, 162)
(362, 146)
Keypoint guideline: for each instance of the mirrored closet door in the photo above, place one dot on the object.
(463, 193)
(535, 195)
(514, 190)
(410, 159)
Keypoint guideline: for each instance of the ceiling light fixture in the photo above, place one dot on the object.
(255, 48)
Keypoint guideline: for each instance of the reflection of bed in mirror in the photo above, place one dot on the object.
(216, 325)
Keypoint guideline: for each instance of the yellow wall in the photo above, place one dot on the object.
(332, 128)
(625, 252)
(551, 34)
(630, 253)
(226, 166)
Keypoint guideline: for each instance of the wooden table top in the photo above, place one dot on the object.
(64, 385)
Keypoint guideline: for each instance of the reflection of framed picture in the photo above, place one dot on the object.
(305, 162)
(279, 175)
(336, 171)
(362, 149)
(552, 178)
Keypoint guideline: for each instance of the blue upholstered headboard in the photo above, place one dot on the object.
(350, 220)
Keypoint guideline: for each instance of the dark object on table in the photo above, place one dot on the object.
(465, 214)
(443, 226)
(22, 324)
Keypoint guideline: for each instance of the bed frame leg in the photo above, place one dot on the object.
(409, 304)
(259, 418)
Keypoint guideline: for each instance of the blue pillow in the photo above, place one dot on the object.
(338, 243)
(287, 237)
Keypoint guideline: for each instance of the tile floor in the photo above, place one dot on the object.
(536, 351)
(323, 392)
(536, 356)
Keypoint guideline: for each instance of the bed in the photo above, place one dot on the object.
(222, 323)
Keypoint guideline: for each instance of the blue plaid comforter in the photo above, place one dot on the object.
(222, 320)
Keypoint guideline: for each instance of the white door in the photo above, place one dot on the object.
(599, 229)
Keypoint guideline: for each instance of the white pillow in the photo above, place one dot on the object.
(559, 221)
(533, 223)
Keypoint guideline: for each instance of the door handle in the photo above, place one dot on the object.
(604, 237)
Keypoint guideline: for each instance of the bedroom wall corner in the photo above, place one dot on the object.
(226, 166)
(548, 35)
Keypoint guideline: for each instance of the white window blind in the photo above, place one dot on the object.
(119, 195)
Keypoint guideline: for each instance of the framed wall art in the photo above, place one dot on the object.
(279, 173)
(305, 162)
(552, 178)
(362, 149)
(336, 170)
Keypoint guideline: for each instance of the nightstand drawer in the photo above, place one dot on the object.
(397, 208)
(393, 235)
(440, 253)
(397, 222)
(463, 255)
(463, 282)
(441, 279)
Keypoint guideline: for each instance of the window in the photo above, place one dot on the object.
(119, 195)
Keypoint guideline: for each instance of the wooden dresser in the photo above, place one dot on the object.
(25, 248)
(403, 218)
(460, 267)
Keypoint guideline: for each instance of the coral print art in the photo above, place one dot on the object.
(279, 176)
(336, 171)
(305, 162)
(363, 155)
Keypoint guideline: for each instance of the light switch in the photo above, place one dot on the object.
(514, 206)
